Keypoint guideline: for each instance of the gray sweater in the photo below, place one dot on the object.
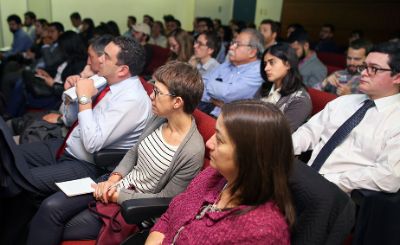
(185, 164)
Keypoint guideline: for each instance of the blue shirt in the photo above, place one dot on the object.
(116, 122)
(229, 83)
(21, 43)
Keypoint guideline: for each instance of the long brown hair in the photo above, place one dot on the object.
(185, 42)
(263, 154)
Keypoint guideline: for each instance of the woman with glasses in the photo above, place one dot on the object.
(181, 45)
(206, 48)
(168, 154)
(244, 196)
(279, 65)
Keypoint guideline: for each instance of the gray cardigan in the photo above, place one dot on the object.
(185, 164)
(296, 107)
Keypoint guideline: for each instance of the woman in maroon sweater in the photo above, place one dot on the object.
(243, 198)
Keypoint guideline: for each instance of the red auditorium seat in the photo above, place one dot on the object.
(332, 59)
(160, 56)
(319, 99)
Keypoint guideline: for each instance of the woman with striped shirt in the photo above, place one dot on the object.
(167, 156)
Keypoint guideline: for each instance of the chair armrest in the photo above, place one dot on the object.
(109, 158)
(135, 211)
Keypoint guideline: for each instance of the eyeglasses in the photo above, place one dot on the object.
(238, 44)
(196, 42)
(371, 70)
(157, 92)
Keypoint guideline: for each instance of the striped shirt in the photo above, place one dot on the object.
(154, 158)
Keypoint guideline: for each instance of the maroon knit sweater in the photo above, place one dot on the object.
(263, 225)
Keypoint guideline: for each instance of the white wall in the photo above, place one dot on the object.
(8, 7)
(268, 9)
(221, 9)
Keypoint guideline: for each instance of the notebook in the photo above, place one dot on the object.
(76, 187)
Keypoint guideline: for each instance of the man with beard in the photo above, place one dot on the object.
(346, 81)
(311, 68)
(269, 29)
(21, 40)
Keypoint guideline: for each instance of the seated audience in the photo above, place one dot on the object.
(269, 29)
(29, 23)
(311, 68)
(279, 66)
(148, 20)
(238, 77)
(141, 32)
(326, 42)
(244, 197)
(131, 21)
(168, 155)
(346, 81)
(171, 24)
(76, 21)
(205, 50)
(356, 138)
(293, 27)
(21, 40)
(87, 31)
(355, 35)
(158, 34)
(181, 45)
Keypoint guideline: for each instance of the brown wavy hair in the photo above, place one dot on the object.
(185, 42)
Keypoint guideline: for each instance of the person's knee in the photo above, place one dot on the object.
(52, 208)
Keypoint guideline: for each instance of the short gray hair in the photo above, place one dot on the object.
(99, 43)
(256, 40)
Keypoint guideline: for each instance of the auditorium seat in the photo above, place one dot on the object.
(319, 99)
(332, 59)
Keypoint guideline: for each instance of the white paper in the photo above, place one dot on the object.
(71, 92)
(76, 187)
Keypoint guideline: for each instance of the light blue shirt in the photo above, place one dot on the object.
(229, 83)
(21, 43)
(116, 122)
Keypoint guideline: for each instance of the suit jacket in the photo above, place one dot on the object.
(12, 164)
(325, 214)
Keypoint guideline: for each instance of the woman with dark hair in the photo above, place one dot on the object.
(244, 197)
(167, 156)
(87, 31)
(279, 65)
(181, 45)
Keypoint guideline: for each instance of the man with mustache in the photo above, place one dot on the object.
(311, 68)
(346, 81)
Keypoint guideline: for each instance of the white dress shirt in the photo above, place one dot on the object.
(116, 122)
(369, 158)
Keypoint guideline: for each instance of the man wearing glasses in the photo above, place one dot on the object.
(356, 138)
(237, 78)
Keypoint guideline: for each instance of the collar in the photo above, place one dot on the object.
(207, 65)
(382, 103)
(245, 66)
(126, 84)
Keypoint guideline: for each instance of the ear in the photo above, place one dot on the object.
(123, 71)
(396, 79)
(178, 103)
(210, 51)
(252, 52)
(306, 46)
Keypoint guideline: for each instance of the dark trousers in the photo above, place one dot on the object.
(63, 218)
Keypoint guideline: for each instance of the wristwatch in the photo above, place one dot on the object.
(83, 100)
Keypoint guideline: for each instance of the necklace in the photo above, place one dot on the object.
(212, 207)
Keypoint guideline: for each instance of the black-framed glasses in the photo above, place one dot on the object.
(158, 92)
(238, 44)
(371, 70)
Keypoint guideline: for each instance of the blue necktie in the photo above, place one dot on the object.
(341, 133)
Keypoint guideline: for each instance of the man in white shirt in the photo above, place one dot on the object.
(113, 122)
(369, 157)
